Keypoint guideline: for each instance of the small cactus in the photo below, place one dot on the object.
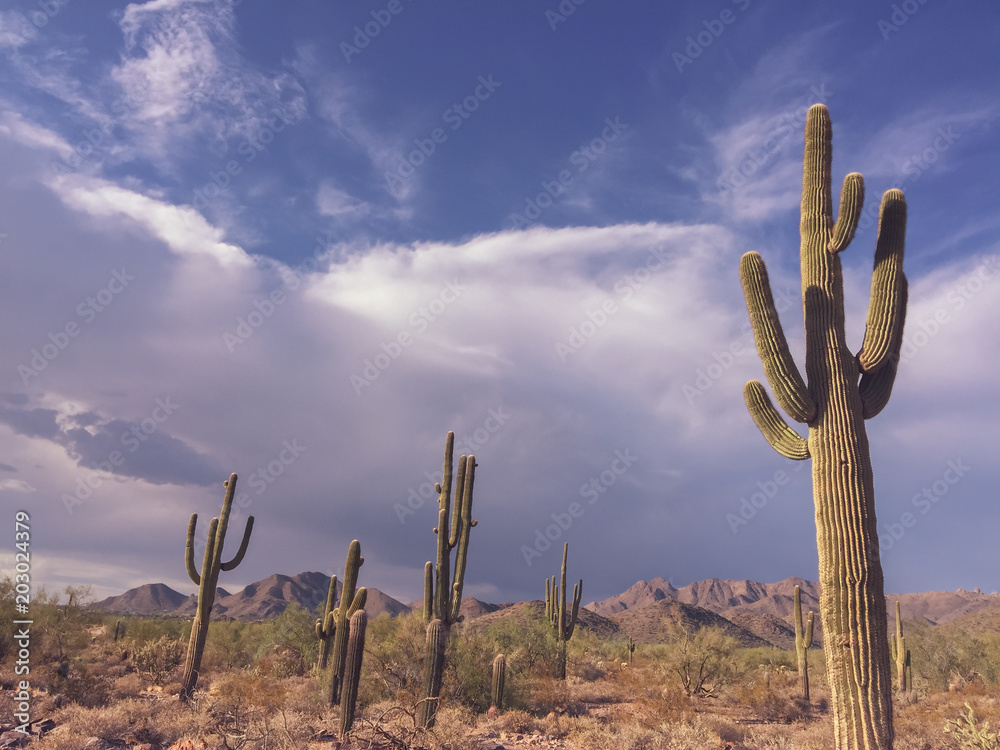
(901, 655)
(119, 630)
(352, 670)
(555, 610)
(802, 643)
(499, 682)
(630, 646)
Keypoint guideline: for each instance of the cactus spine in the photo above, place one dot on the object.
(332, 629)
(352, 670)
(802, 643)
(835, 406)
(499, 681)
(901, 655)
(555, 610)
(208, 580)
(442, 588)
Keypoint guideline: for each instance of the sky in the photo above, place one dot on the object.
(303, 241)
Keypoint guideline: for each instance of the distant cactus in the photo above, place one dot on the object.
(802, 643)
(352, 670)
(119, 630)
(555, 610)
(499, 681)
(841, 390)
(442, 588)
(901, 655)
(630, 647)
(208, 580)
(332, 628)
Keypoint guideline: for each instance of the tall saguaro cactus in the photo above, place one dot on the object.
(332, 629)
(834, 403)
(442, 586)
(555, 610)
(208, 580)
(803, 640)
(901, 655)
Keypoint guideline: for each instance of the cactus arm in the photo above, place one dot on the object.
(241, 552)
(577, 594)
(428, 591)
(772, 425)
(189, 551)
(442, 578)
(808, 640)
(562, 595)
(464, 512)
(331, 598)
(885, 311)
(456, 516)
(220, 534)
(876, 387)
(781, 370)
(359, 601)
(852, 198)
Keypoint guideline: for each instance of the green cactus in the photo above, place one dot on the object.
(499, 681)
(119, 630)
(802, 643)
(352, 670)
(835, 406)
(630, 646)
(555, 611)
(442, 588)
(901, 655)
(332, 629)
(208, 580)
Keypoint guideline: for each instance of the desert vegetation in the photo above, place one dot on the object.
(261, 686)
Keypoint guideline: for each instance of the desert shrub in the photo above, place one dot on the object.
(530, 647)
(230, 645)
(704, 661)
(969, 734)
(142, 629)
(156, 659)
(243, 708)
(288, 642)
(60, 630)
(393, 663)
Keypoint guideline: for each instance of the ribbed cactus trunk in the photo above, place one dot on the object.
(207, 581)
(498, 682)
(434, 652)
(803, 640)
(352, 670)
(835, 406)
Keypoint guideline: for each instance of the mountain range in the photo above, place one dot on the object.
(756, 614)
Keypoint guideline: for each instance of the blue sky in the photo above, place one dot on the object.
(303, 241)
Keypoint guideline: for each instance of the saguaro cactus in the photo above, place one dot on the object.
(630, 647)
(834, 405)
(332, 629)
(901, 655)
(499, 681)
(208, 580)
(555, 610)
(352, 672)
(442, 588)
(802, 643)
